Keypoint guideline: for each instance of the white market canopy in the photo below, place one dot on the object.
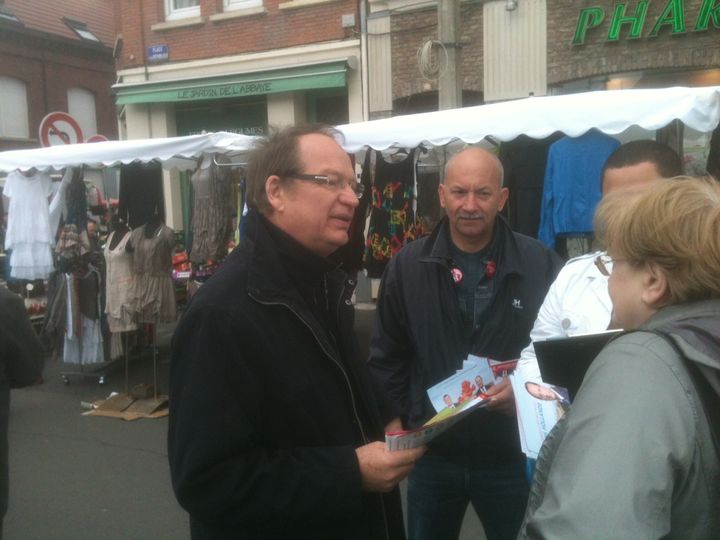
(172, 152)
(610, 111)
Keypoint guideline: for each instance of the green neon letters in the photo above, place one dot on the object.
(629, 23)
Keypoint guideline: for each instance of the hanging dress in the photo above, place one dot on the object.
(83, 334)
(153, 289)
(28, 231)
(119, 287)
(212, 211)
(392, 219)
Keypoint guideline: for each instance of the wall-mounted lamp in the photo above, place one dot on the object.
(510, 5)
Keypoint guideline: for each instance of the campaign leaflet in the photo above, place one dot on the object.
(539, 406)
(453, 399)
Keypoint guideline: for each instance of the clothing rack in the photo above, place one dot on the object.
(98, 370)
(232, 164)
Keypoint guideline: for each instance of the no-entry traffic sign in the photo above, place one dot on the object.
(59, 128)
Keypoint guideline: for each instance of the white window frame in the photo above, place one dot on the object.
(82, 106)
(231, 5)
(14, 122)
(172, 13)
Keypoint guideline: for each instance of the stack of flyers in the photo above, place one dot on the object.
(473, 380)
(453, 399)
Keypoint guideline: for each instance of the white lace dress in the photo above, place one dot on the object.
(119, 305)
(28, 232)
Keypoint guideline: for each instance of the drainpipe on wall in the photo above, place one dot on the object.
(145, 67)
(364, 68)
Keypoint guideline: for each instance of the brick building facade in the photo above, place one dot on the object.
(55, 58)
(274, 62)
(513, 49)
(188, 66)
(668, 41)
(412, 92)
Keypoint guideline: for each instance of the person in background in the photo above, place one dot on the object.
(273, 431)
(472, 287)
(92, 232)
(578, 300)
(637, 454)
(21, 364)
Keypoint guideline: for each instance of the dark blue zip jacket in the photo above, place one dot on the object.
(419, 339)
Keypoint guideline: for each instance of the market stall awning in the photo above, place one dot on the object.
(173, 152)
(326, 75)
(610, 111)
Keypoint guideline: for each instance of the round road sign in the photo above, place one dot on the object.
(59, 128)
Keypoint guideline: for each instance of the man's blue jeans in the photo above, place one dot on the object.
(439, 491)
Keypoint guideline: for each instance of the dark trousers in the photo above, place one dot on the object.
(440, 490)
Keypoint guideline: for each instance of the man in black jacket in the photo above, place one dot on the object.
(272, 421)
(21, 363)
(471, 287)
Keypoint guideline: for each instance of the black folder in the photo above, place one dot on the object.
(564, 361)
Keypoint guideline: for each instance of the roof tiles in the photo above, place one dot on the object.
(47, 16)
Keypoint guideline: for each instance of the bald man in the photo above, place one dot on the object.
(472, 287)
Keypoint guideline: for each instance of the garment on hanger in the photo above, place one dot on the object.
(713, 160)
(83, 336)
(392, 219)
(58, 204)
(54, 321)
(153, 289)
(212, 210)
(428, 212)
(76, 201)
(28, 232)
(141, 193)
(524, 161)
(351, 254)
(119, 284)
(572, 184)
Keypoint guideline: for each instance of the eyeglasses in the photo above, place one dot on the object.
(604, 264)
(334, 183)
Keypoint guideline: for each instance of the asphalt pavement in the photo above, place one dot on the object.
(84, 477)
(81, 477)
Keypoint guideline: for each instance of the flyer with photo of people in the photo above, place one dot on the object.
(539, 406)
(453, 399)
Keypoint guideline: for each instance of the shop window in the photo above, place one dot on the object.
(181, 9)
(241, 4)
(81, 106)
(328, 106)
(13, 108)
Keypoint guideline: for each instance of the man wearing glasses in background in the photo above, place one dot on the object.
(578, 301)
(273, 433)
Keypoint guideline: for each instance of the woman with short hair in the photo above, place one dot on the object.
(637, 454)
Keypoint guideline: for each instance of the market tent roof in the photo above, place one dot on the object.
(173, 152)
(610, 111)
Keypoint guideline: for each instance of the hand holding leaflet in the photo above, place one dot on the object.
(453, 399)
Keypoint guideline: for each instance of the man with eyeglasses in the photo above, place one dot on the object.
(273, 430)
(472, 287)
(578, 301)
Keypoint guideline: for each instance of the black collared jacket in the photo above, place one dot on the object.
(419, 340)
(267, 407)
